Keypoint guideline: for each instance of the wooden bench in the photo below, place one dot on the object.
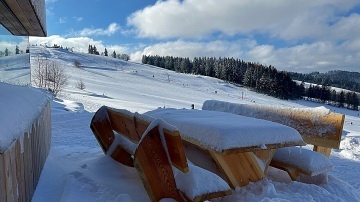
(317, 126)
(139, 141)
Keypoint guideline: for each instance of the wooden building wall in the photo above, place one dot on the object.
(21, 164)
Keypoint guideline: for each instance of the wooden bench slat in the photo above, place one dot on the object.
(123, 124)
(102, 129)
(323, 150)
(121, 155)
(152, 163)
(176, 150)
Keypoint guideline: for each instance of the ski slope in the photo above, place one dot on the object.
(77, 169)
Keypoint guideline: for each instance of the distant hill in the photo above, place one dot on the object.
(341, 79)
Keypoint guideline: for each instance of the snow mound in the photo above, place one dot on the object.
(20, 107)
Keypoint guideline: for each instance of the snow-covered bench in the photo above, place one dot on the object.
(317, 126)
(153, 147)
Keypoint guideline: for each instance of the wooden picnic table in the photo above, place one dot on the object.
(237, 148)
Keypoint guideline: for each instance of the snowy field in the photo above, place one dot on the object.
(15, 69)
(77, 170)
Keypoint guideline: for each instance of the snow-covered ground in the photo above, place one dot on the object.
(77, 170)
(15, 69)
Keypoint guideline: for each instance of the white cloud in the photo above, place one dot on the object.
(318, 56)
(80, 44)
(50, 1)
(110, 30)
(289, 20)
(79, 19)
(62, 20)
(182, 48)
(308, 57)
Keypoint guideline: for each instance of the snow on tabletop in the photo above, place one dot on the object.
(19, 108)
(221, 131)
(307, 160)
(199, 181)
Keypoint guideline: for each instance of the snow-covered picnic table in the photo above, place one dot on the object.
(240, 147)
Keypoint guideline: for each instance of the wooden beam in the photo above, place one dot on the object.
(9, 21)
(155, 170)
(240, 168)
(30, 14)
(15, 7)
(323, 150)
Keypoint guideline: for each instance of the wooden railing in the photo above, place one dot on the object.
(21, 164)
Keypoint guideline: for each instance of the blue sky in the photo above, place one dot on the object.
(297, 35)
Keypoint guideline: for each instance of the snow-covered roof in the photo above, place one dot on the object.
(20, 106)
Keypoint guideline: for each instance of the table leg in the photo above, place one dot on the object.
(265, 156)
(240, 168)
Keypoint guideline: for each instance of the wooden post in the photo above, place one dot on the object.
(323, 150)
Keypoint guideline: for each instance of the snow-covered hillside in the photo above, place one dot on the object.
(77, 169)
(15, 69)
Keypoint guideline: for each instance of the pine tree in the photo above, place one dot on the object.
(355, 101)
(17, 51)
(114, 54)
(95, 51)
(106, 52)
(6, 52)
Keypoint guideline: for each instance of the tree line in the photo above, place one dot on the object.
(341, 79)
(324, 94)
(7, 52)
(93, 50)
(263, 79)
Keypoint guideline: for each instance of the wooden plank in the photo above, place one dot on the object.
(231, 178)
(124, 124)
(3, 178)
(7, 20)
(202, 158)
(240, 168)
(141, 126)
(101, 127)
(323, 150)
(27, 166)
(265, 156)
(121, 155)
(307, 127)
(20, 172)
(10, 175)
(30, 162)
(155, 170)
(20, 15)
(27, 9)
(36, 148)
(7, 179)
(14, 172)
(316, 128)
(176, 150)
